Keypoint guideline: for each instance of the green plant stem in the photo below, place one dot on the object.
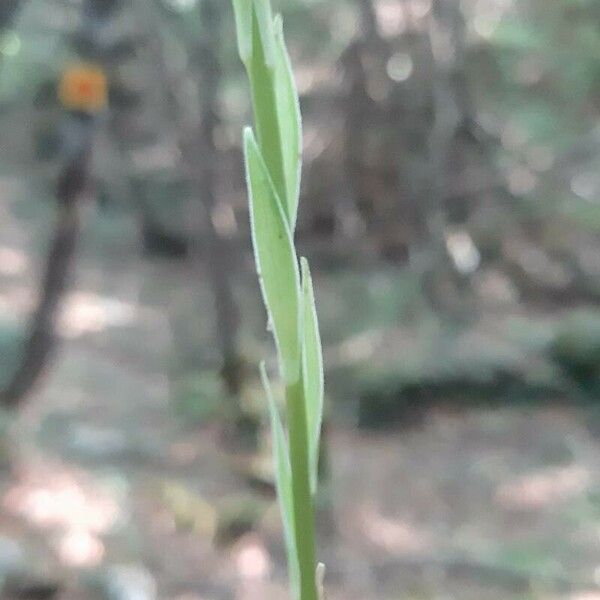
(264, 101)
(304, 512)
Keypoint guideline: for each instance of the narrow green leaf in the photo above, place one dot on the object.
(243, 26)
(275, 259)
(264, 17)
(290, 126)
(312, 371)
(264, 101)
(283, 481)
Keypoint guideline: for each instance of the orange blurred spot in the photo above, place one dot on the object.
(84, 88)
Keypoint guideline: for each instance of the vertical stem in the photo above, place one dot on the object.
(264, 101)
(304, 512)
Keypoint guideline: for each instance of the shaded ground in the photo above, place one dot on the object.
(114, 497)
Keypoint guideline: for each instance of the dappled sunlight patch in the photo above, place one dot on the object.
(397, 536)
(12, 261)
(75, 512)
(358, 348)
(80, 548)
(85, 312)
(544, 488)
(16, 300)
(251, 558)
(392, 17)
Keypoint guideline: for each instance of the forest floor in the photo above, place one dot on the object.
(112, 495)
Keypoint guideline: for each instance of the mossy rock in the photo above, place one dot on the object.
(466, 371)
(395, 401)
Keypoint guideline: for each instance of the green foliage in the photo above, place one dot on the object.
(556, 46)
(530, 560)
(288, 113)
(273, 174)
(312, 368)
(275, 259)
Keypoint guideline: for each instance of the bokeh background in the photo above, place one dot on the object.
(450, 208)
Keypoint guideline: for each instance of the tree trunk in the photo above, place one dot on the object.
(446, 288)
(215, 246)
(359, 112)
(72, 184)
(40, 340)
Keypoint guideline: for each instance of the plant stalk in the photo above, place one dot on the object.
(304, 511)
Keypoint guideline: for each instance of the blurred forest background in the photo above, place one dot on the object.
(451, 209)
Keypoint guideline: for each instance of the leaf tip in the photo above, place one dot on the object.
(305, 271)
(248, 136)
(304, 264)
(278, 25)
